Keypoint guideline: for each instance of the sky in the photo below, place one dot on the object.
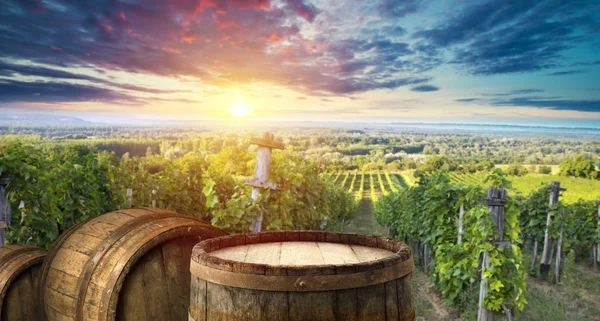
(508, 62)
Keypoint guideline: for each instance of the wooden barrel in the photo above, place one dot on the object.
(19, 269)
(301, 275)
(125, 265)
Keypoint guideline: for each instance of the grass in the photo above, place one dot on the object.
(577, 298)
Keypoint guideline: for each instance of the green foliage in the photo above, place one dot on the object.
(61, 186)
(498, 179)
(544, 169)
(427, 213)
(579, 166)
(516, 170)
(435, 163)
(58, 187)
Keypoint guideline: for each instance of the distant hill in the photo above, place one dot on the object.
(23, 119)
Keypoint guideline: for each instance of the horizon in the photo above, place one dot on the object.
(491, 62)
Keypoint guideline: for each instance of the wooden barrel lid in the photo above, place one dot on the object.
(300, 260)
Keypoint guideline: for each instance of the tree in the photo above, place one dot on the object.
(545, 169)
(516, 170)
(579, 166)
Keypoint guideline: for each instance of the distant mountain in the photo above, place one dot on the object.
(24, 119)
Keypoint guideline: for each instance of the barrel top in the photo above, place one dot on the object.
(300, 260)
(302, 253)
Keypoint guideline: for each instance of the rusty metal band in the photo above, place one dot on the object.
(304, 283)
(90, 266)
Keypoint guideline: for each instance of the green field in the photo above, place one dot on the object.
(577, 188)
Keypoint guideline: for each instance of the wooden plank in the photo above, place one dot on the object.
(301, 253)
(198, 304)
(132, 304)
(366, 254)
(155, 288)
(336, 253)
(234, 253)
(309, 306)
(176, 261)
(347, 305)
(264, 253)
(406, 310)
(371, 303)
(391, 300)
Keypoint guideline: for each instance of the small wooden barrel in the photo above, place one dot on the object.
(125, 265)
(19, 269)
(301, 275)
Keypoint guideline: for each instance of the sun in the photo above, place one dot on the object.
(239, 110)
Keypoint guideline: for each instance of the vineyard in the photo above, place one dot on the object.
(446, 220)
(52, 188)
(577, 188)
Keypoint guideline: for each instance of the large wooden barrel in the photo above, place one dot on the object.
(301, 275)
(19, 270)
(125, 265)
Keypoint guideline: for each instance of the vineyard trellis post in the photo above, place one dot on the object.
(596, 248)
(261, 171)
(153, 198)
(547, 254)
(5, 210)
(559, 250)
(495, 200)
(461, 215)
(129, 197)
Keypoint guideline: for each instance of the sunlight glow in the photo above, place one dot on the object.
(239, 110)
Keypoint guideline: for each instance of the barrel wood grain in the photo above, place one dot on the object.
(19, 273)
(299, 255)
(126, 265)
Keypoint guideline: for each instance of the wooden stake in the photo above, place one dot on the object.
(547, 252)
(153, 198)
(460, 223)
(534, 259)
(129, 197)
(597, 247)
(496, 198)
(261, 171)
(559, 251)
(5, 210)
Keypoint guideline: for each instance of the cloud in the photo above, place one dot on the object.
(554, 104)
(566, 72)
(53, 92)
(499, 37)
(306, 10)
(425, 88)
(467, 100)
(9, 69)
(515, 92)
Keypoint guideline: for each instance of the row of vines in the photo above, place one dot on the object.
(53, 187)
(426, 215)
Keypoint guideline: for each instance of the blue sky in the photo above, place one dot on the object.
(385, 60)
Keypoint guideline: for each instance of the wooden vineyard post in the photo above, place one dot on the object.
(559, 251)
(5, 210)
(129, 197)
(596, 249)
(548, 241)
(461, 215)
(261, 171)
(153, 198)
(495, 200)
